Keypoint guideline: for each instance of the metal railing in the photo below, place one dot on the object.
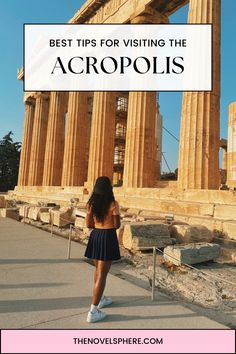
(154, 252)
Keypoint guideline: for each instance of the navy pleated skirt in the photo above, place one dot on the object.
(103, 245)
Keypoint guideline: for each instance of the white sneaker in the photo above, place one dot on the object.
(105, 301)
(95, 316)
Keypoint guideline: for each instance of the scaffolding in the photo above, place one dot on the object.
(120, 135)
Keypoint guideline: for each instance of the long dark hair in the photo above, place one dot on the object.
(101, 198)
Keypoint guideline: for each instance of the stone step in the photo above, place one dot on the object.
(214, 209)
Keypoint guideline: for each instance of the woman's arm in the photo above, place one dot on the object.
(116, 215)
(89, 218)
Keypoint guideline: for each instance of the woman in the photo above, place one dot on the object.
(104, 217)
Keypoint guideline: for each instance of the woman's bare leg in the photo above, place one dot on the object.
(100, 276)
(95, 262)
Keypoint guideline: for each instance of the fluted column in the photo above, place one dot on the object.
(74, 171)
(140, 149)
(159, 142)
(231, 148)
(55, 139)
(140, 167)
(26, 142)
(102, 140)
(224, 160)
(200, 127)
(38, 140)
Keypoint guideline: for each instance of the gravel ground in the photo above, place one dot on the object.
(211, 287)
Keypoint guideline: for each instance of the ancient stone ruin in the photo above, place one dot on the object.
(70, 139)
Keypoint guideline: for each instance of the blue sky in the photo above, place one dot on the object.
(13, 13)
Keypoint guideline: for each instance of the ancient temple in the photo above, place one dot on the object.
(70, 139)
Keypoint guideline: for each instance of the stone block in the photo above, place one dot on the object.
(183, 218)
(150, 217)
(178, 222)
(62, 217)
(132, 211)
(12, 213)
(150, 213)
(129, 219)
(80, 222)
(192, 253)
(138, 236)
(185, 208)
(79, 212)
(24, 210)
(191, 233)
(226, 212)
(67, 209)
(229, 229)
(45, 217)
(34, 212)
(225, 242)
(228, 254)
(140, 218)
(11, 203)
(120, 233)
(2, 202)
(208, 222)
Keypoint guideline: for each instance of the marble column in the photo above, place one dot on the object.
(26, 142)
(159, 142)
(38, 139)
(140, 148)
(102, 140)
(74, 171)
(231, 148)
(140, 166)
(55, 139)
(200, 122)
(224, 159)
